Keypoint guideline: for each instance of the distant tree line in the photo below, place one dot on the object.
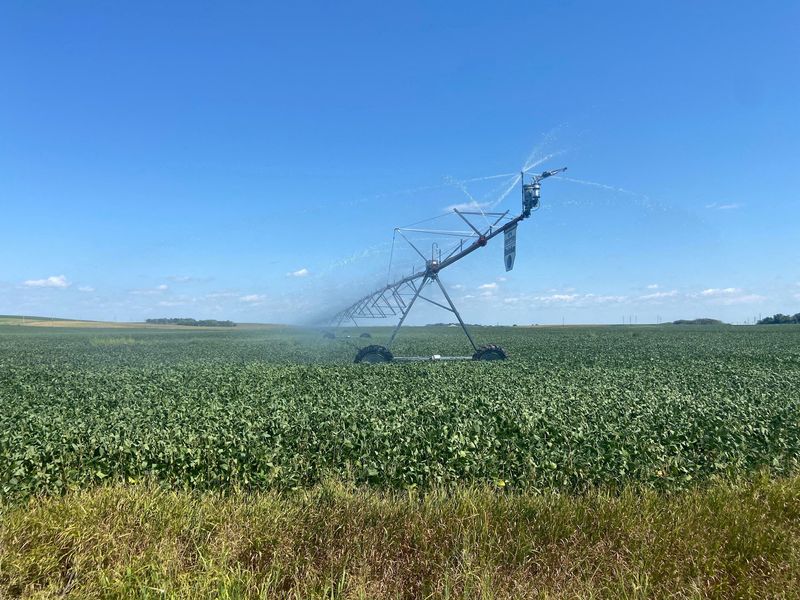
(191, 322)
(697, 322)
(780, 319)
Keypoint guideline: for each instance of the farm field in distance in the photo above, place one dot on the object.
(261, 423)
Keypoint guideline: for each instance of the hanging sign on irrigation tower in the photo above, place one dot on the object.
(510, 247)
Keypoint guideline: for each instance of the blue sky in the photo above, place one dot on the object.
(250, 160)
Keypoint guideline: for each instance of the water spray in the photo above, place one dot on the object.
(531, 192)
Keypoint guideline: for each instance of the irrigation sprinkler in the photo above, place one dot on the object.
(396, 299)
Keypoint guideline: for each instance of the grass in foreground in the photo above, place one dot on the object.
(725, 540)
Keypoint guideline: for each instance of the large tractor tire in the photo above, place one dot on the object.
(490, 352)
(365, 335)
(374, 354)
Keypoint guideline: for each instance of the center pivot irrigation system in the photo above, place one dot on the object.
(397, 298)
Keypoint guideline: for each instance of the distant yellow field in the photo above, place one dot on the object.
(93, 324)
(40, 322)
(48, 322)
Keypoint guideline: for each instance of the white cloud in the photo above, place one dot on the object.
(574, 299)
(457, 286)
(299, 273)
(718, 206)
(557, 298)
(606, 299)
(488, 286)
(162, 287)
(730, 295)
(171, 303)
(652, 286)
(659, 295)
(715, 292)
(85, 288)
(222, 295)
(54, 281)
(501, 279)
(253, 298)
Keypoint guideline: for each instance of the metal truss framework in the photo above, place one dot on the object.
(398, 297)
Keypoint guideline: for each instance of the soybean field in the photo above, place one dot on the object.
(283, 408)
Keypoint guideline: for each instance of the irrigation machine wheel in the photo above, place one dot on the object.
(329, 336)
(374, 354)
(490, 352)
(365, 335)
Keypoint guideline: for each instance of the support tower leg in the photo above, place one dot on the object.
(455, 312)
(407, 310)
